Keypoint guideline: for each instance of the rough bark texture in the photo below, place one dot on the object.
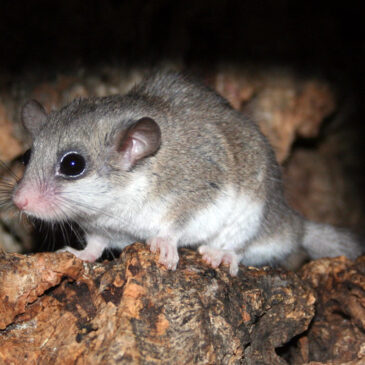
(284, 105)
(57, 309)
(337, 332)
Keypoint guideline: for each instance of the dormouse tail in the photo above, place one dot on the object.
(323, 240)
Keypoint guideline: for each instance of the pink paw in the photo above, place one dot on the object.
(83, 255)
(169, 256)
(216, 256)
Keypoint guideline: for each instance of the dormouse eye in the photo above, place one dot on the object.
(26, 157)
(72, 165)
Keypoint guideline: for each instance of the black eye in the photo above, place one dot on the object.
(26, 157)
(72, 164)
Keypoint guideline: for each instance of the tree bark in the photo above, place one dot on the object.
(57, 309)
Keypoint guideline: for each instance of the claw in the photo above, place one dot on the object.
(216, 256)
(169, 256)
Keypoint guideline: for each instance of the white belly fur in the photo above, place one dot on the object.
(233, 219)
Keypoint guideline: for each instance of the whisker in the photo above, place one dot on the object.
(7, 184)
(111, 253)
(76, 233)
(7, 168)
(87, 207)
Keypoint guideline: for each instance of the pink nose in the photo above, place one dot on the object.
(20, 201)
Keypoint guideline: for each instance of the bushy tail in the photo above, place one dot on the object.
(323, 240)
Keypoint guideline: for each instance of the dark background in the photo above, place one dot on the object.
(316, 36)
(313, 38)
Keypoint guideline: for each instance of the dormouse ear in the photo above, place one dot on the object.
(33, 116)
(142, 139)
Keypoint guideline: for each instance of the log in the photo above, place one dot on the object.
(57, 309)
(337, 332)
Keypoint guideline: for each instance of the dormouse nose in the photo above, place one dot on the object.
(20, 200)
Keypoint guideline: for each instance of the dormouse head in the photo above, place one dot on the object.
(77, 155)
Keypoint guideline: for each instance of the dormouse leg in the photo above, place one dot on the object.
(169, 256)
(94, 248)
(216, 256)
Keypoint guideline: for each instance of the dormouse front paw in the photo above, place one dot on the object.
(84, 255)
(169, 256)
(94, 248)
(216, 256)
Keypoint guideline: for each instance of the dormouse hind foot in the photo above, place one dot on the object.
(169, 256)
(216, 256)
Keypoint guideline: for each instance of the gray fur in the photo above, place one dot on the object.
(207, 149)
